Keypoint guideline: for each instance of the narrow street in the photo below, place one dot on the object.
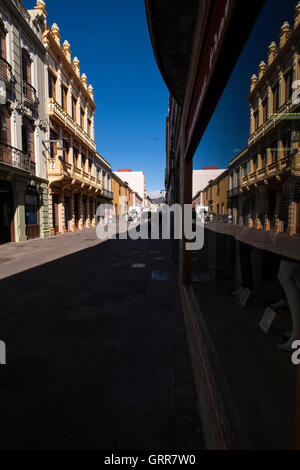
(96, 349)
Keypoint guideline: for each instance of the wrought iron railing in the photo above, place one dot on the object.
(29, 92)
(107, 194)
(233, 192)
(5, 70)
(15, 157)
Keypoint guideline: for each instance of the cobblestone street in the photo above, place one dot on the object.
(96, 349)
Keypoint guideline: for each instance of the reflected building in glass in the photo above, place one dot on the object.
(264, 187)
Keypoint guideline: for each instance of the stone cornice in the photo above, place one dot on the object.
(25, 25)
(271, 69)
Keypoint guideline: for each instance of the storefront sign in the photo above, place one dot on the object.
(218, 23)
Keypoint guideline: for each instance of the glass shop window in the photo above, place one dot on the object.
(246, 277)
(28, 139)
(52, 85)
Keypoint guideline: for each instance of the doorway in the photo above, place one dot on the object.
(6, 213)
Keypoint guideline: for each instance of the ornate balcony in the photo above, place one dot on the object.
(16, 158)
(268, 172)
(57, 112)
(29, 94)
(233, 192)
(62, 171)
(5, 71)
(272, 122)
(261, 174)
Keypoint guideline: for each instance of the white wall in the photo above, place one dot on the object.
(201, 179)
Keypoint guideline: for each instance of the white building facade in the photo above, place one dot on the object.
(136, 181)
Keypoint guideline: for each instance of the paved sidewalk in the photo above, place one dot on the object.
(277, 243)
(96, 350)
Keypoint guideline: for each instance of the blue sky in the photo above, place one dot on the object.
(112, 43)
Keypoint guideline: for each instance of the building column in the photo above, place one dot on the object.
(278, 223)
(186, 198)
(81, 225)
(19, 190)
(267, 221)
(251, 220)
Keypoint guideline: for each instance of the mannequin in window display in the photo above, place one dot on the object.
(287, 278)
(289, 269)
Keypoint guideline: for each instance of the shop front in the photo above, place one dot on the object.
(32, 217)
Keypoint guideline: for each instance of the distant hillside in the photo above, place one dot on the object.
(159, 200)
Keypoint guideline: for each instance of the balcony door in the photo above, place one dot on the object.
(6, 213)
(298, 218)
(32, 216)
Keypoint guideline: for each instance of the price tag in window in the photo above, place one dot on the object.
(267, 320)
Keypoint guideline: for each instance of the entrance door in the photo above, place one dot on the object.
(6, 216)
(55, 212)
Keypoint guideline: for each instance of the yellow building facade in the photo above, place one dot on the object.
(74, 185)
